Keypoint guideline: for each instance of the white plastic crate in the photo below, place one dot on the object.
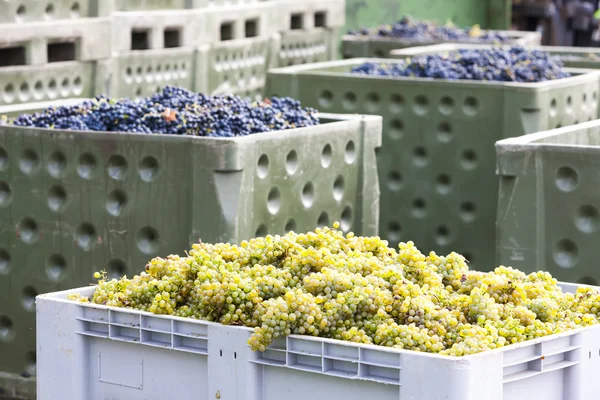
(141, 73)
(36, 43)
(306, 46)
(32, 83)
(87, 351)
(154, 30)
(23, 11)
(235, 22)
(308, 14)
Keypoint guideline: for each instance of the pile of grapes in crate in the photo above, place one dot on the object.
(329, 284)
(177, 111)
(412, 29)
(514, 64)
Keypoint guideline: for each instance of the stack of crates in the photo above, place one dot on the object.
(49, 50)
(309, 31)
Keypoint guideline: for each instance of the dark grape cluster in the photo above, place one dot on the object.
(176, 111)
(411, 29)
(515, 64)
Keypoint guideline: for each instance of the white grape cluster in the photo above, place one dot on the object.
(324, 283)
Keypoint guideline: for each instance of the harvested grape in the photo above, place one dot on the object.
(409, 28)
(327, 284)
(176, 111)
(514, 64)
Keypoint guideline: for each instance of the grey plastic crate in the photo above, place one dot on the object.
(38, 43)
(548, 208)
(306, 46)
(24, 11)
(155, 30)
(365, 46)
(437, 162)
(104, 352)
(143, 72)
(309, 14)
(237, 66)
(46, 82)
(72, 203)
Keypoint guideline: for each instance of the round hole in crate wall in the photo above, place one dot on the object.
(56, 265)
(338, 188)
(261, 231)
(394, 181)
(446, 105)
(9, 93)
(6, 329)
(396, 103)
(263, 166)
(28, 231)
(326, 98)
(3, 159)
(148, 169)
(567, 179)
(395, 130)
(566, 253)
(5, 194)
(443, 184)
(30, 366)
(291, 162)
(49, 10)
(75, 10)
(420, 156)
(346, 219)
(349, 102)
(24, 91)
(52, 88)
(469, 159)
(553, 109)
(326, 156)
(116, 269)
(471, 106)
(350, 153)
(290, 226)
(116, 202)
(393, 231)
(29, 162)
(148, 240)
(421, 105)
(587, 218)
(274, 201)
(56, 164)
(308, 195)
(77, 86)
(467, 211)
(442, 236)
(372, 102)
(85, 236)
(444, 133)
(57, 198)
(419, 208)
(4, 262)
(117, 167)
(86, 166)
(38, 90)
(21, 11)
(323, 219)
(28, 295)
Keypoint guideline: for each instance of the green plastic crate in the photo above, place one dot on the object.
(576, 57)
(436, 165)
(357, 46)
(72, 203)
(236, 66)
(548, 208)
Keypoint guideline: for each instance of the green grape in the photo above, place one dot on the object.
(339, 286)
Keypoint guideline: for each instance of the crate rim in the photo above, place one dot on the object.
(512, 34)
(531, 142)
(317, 69)
(61, 297)
(336, 121)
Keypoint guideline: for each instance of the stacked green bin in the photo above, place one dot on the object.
(549, 208)
(437, 162)
(72, 203)
(381, 47)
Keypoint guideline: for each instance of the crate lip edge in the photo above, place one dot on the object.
(513, 36)
(60, 297)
